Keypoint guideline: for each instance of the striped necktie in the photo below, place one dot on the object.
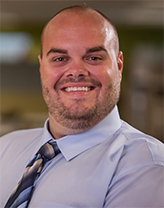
(22, 194)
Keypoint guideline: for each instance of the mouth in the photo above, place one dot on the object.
(78, 89)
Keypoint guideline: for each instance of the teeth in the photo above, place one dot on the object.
(73, 89)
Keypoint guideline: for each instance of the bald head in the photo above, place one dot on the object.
(82, 10)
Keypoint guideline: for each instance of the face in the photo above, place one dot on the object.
(80, 70)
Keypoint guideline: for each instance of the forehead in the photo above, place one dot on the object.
(73, 18)
(84, 25)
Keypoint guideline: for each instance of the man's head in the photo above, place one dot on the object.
(81, 69)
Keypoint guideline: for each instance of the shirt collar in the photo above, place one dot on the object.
(75, 144)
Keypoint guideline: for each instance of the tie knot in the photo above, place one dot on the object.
(49, 149)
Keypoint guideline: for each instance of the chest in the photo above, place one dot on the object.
(81, 182)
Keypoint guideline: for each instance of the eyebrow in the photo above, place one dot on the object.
(96, 49)
(88, 50)
(57, 50)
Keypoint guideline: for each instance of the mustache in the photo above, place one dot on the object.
(91, 81)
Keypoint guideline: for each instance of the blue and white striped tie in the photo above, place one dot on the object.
(22, 194)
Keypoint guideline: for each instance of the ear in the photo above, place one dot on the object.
(120, 63)
(40, 61)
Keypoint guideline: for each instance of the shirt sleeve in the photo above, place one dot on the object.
(140, 187)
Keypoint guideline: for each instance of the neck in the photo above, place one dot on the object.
(58, 131)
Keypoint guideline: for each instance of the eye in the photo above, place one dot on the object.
(94, 60)
(60, 59)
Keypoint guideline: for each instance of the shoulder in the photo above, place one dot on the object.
(23, 131)
(142, 147)
(21, 136)
(26, 132)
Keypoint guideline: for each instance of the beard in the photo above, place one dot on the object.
(78, 117)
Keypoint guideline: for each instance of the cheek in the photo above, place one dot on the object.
(49, 76)
(112, 74)
(105, 76)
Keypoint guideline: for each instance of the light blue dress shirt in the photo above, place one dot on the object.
(109, 165)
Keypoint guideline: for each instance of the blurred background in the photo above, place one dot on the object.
(140, 29)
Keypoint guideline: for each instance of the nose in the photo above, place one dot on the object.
(77, 69)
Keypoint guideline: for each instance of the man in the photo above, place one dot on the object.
(104, 162)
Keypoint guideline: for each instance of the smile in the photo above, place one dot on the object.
(78, 89)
